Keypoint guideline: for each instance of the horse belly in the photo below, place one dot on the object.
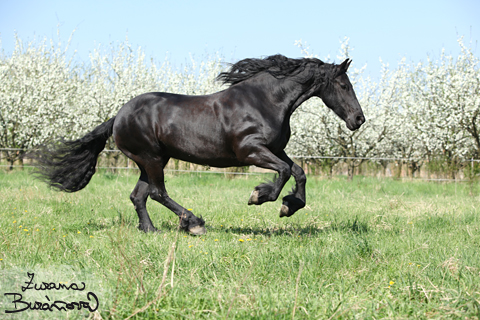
(209, 155)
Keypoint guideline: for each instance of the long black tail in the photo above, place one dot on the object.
(70, 165)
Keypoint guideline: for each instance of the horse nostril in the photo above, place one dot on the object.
(360, 120)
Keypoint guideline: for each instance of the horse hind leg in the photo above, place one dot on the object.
(139, 197)
(188, 221)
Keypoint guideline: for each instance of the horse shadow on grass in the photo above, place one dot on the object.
(294, 229)
(105, 223)
(350, 226)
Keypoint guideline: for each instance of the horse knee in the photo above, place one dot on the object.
(299, 174)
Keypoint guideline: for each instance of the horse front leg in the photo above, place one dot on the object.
(296, 199)
(262, 157)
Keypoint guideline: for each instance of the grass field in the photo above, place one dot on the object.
(365, 249)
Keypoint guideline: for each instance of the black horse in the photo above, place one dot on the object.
(246, 124)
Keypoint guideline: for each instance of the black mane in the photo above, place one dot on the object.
(278, 66)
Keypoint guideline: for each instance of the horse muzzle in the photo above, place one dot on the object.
(355, 122)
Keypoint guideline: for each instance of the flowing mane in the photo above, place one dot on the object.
(278, 66)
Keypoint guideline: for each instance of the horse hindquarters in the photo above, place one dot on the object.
(137, 140)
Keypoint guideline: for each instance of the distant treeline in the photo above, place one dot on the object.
(426, 113)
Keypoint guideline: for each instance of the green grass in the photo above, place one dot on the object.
(365, 249)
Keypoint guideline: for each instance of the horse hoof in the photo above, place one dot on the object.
(284, 210)
(253, 198)
(198, 230)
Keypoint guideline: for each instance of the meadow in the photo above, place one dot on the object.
(363, 249)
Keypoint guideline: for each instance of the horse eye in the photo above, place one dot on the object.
(343, 86)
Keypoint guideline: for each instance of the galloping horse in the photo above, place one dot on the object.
(246, 124)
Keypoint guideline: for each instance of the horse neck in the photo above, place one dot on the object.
(286, 93)
(298, 94)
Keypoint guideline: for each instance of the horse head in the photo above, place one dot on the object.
(338, 94)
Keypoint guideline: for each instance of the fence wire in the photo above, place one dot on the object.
(299, 156)
(259, 170)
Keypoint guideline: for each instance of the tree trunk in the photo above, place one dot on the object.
(398, 170)
(351, 169)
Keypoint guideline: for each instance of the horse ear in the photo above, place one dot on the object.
(348, 64)
(343, 67)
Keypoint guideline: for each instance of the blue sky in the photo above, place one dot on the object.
(242, 29)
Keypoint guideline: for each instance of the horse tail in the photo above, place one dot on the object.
(69, 165)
